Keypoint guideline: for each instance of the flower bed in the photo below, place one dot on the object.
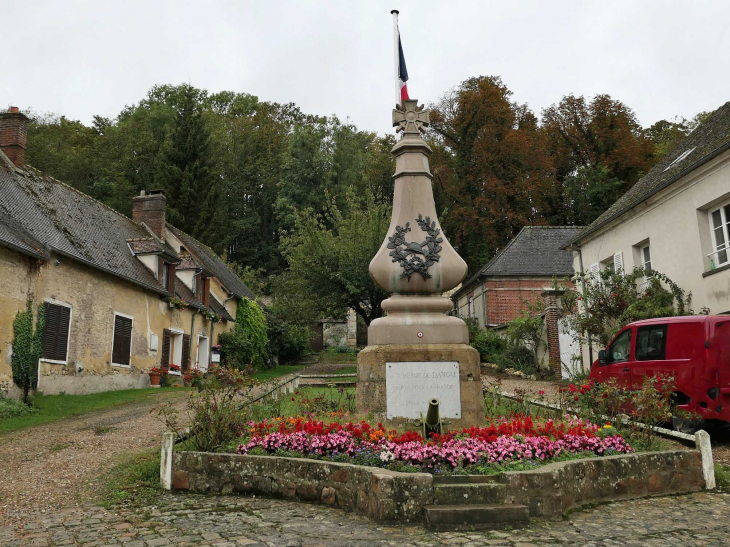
(509, 444)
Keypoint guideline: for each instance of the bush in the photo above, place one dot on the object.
(235, 348)
(341, 349)
(217, 411)
(517, 357)
(10, 408)
(489, 344)
(286, 339)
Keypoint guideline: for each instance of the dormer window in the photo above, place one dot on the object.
(165, 274)
(195, 285)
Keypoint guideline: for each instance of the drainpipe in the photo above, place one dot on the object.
(192, 337)
(585, 303)
(484, 302)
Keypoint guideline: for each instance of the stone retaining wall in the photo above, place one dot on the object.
(381, 495)
(552, 490)
(388, 496)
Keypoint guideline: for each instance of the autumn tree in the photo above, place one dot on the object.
(488, 163)
(598, 148)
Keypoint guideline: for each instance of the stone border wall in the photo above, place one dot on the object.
(379, 494)
(556, 488)
(388, 496)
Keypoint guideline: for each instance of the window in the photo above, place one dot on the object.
(680, 158)
(194, 285)
(620, 349)
(651, 343)
(720, 226)
(56, 332)
(471, 306)
(646, 258)
(165, 274)
(175, 350)
(122, 340)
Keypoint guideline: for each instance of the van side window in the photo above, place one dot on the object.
(651, 343)
(619, 351)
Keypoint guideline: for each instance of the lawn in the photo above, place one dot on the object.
(277, 371)
(56, 407)
(327, 357)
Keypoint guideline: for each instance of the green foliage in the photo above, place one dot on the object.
(489, 344)
(517, 357)
(527, 330)
(329, 257)
(612, 300)
(247, 343)
(216, 410)
(10, 408)
(132, 481)
(341, 349)
(27, 349)
(286, 340)
(722, 477)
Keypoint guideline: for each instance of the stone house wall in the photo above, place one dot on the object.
(94, 297)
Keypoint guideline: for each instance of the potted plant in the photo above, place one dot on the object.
(155, 375)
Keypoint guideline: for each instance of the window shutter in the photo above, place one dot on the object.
(50, 330)
(618, 263)
(185, 365)
(55, 331)
(165, 358)
(596, 270)
(122, 340)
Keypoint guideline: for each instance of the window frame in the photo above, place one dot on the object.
(175, 332)
(644, 261)
(663, 326)
(165, 275)
(68, 334)
(725, 227)
(608, 350)
(194, 285)
(131, 338)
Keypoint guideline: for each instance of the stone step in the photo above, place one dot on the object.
(469, 494)
(464, 479)
(476, 517)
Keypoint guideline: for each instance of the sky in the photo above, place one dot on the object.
(663, 58)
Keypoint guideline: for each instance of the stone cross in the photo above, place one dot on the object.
(410, 118)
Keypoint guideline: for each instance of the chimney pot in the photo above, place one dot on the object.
(14, 135)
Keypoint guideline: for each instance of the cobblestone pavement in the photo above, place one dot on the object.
(228, 521)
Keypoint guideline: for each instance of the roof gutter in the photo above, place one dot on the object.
(712, 155)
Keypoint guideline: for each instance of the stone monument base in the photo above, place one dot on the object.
(371, 379)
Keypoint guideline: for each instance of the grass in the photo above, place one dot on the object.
(330, 358)
(277, 371)
(134, 480)
(722, 477)
(291, 408)
(50, 408)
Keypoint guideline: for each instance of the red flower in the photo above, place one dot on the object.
(572, 388)
(541, 392)
(293, 399)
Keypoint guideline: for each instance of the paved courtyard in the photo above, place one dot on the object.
(227, 521)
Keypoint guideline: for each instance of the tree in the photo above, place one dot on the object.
(666, 134)
(488, 163)
(329, 256)
(600, 140)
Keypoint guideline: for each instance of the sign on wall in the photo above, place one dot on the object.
(215, 358)
(410, 386)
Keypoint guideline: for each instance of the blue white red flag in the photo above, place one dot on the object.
(402, 72)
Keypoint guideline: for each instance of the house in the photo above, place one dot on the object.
(525, 268)
(523, 271)
(119, 295)
(675, 220)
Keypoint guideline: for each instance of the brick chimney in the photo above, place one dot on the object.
(14, 135)
(150, 209)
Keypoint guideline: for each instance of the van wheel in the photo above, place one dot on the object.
(684, 425)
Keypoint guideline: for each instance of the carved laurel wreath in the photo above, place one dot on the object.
(416, 257)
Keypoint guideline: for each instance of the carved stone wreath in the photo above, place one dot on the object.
(414, 257)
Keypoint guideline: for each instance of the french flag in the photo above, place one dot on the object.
(402, 72)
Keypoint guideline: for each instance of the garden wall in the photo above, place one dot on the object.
(381, 495)
(388, 496)
(552, 490)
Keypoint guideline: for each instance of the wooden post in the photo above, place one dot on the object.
(168, 445)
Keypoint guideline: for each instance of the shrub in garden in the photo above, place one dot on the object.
(489, 344)
(286, 339)
(216, 411)
(10, 408)
(517, 357)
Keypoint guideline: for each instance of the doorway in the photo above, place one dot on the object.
(203, 353)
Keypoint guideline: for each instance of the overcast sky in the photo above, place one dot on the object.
(80, 58)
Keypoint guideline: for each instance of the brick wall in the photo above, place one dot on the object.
(151, 209)
(505, 297)
(14, 135)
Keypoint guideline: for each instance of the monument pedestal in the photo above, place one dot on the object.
(395, 382)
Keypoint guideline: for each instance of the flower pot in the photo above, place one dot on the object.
(155, 378)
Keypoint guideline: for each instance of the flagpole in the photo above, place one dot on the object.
(395, 55)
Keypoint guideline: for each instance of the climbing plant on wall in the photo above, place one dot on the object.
(246, 344)
(27, 348)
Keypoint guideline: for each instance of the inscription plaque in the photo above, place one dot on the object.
(409, 386)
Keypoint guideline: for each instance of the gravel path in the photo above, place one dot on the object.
(47, 467)
(531, 387)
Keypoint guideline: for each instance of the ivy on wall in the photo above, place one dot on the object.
(27, 348)
(247, 343)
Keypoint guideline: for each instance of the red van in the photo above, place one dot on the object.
(695, 349)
